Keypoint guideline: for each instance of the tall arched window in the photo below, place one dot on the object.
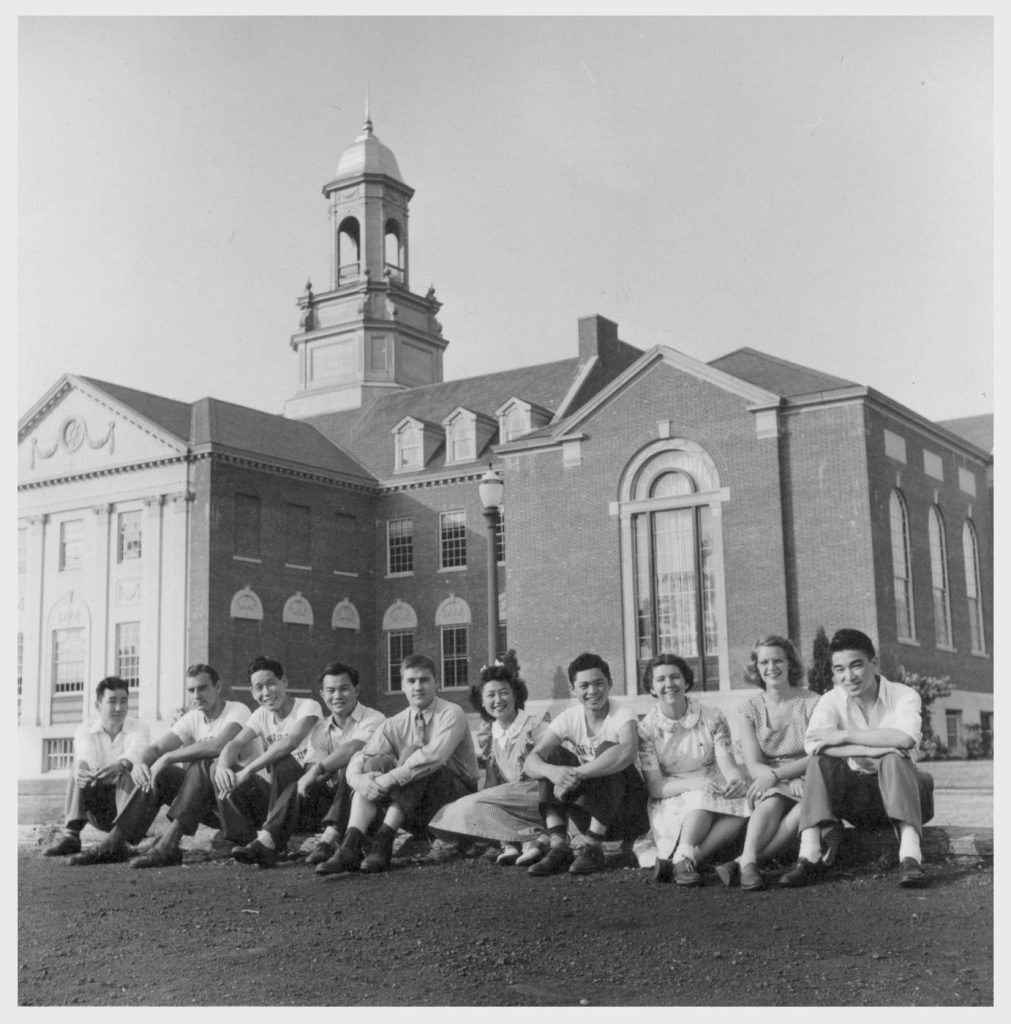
(348, 251)
(905, 623)
(671, 502)
(970, 553)
(939, 578)
(393, 250)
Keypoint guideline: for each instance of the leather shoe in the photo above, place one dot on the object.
(100, 855)
(377, 860)
(323, 851)
(589, 861)
(751, 878)
(507, 857)
(728, 873)
(802, 873)
(341, 862)
(157, 858)
(531, 854)
(686, 873)
(68, 843)
(255, 853)
(831, 837)
(911, 874)
(555, 861)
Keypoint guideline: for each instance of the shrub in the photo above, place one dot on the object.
(819, 675)
(930, 688)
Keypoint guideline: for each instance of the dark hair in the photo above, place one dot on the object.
(261, 663)
(794, 674)
(584, 662)
(338, 668)
(111, 683)
(497, 674)
(418, 661)
(851, 640)
(200, 667)
(667, 659)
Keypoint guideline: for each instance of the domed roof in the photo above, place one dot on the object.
(366, 155)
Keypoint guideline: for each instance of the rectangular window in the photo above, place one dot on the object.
(953, 727)
(500, 538)
(503, 637)
(247, 526)
(452, 540)
(298, 520)
(895, 446)
(22, 549)
(71, 544)
(400, 643)
(129, 535)
(399, 546)
(345, 542)
(128, 653)
(68, 660)
(57, 754)
(454, 656)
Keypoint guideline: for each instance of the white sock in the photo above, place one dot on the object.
(329, 835)
(810, 845)
(685, 850)
(909, 843)
(265, 839)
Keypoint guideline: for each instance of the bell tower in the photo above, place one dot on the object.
(368, 333)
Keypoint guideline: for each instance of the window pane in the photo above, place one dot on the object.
(901, 576)
(939, 579)
(410, 449)
(71, 544)
(297, 518)
(454, 656)
(128, 652)
(129, 535)
(57, 754)
(401, 644)
(400, 546)
(970, 556)
(452, 539)
(68, 660)
(247, 525)
(643, 587)
(676, 594)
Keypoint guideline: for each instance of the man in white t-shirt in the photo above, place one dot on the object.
(257, 803)
(105, 751)
(595, 785)
(175, 770)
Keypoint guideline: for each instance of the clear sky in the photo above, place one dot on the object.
(816, 188)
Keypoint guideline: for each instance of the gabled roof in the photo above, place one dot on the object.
(777, 375)
(366, 432)
(171, 415)
(977, 430)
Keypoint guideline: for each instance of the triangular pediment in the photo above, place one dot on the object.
(78, 429)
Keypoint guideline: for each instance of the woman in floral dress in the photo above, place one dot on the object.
(697, 801)
(773, 724)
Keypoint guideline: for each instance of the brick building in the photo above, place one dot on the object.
(652, 502)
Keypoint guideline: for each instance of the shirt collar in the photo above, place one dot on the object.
(689, 721)
(354, 717)
(514, 727)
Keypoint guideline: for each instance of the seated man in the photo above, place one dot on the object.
(175, 770)
(105, 751)
(596, 785)
(246, 800)
(323, 792)
(415, 762)
(862, 737)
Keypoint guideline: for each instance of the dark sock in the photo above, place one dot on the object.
(558, 836)
(594, 837)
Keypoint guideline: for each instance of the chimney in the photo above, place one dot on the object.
(596, 335)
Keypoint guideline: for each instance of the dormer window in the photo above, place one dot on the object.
(517, 418)
(409, 449)
(414, 442)
(467, 434)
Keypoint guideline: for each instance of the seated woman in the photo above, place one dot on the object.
(697, 792)
(773, 724)
(505, 810)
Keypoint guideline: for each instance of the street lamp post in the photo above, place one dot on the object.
(490, 489)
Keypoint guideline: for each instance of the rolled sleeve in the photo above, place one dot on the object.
(826, 715)
(906, 716)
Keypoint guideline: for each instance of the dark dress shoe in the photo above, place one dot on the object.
(911, 874)
(751, 878)
(323, 851)
(831, 837)
(66, 844)
(341, 862)
(589, 861)
(100, 855)
(555, 861)
(158, 859)
(377, 861)
(255, 853)
(802, 873)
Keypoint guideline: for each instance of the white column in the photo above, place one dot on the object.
(97, 571)
(151, 600)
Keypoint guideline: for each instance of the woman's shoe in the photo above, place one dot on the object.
(532, 853)
(509, 856)
(751, 878)
(686, 873)
(728, 873)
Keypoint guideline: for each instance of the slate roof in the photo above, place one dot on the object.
(977, 430)
(368, 432)
(172, 416)
(779, 376)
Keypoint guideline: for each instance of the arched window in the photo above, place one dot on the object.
(939, 578)
(671, 502)
(970, 553)
(902, 576)
(393, 251)
(349, 251)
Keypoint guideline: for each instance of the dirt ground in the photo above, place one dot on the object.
(217, 933)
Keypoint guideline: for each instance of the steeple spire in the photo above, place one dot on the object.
(367, 126)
